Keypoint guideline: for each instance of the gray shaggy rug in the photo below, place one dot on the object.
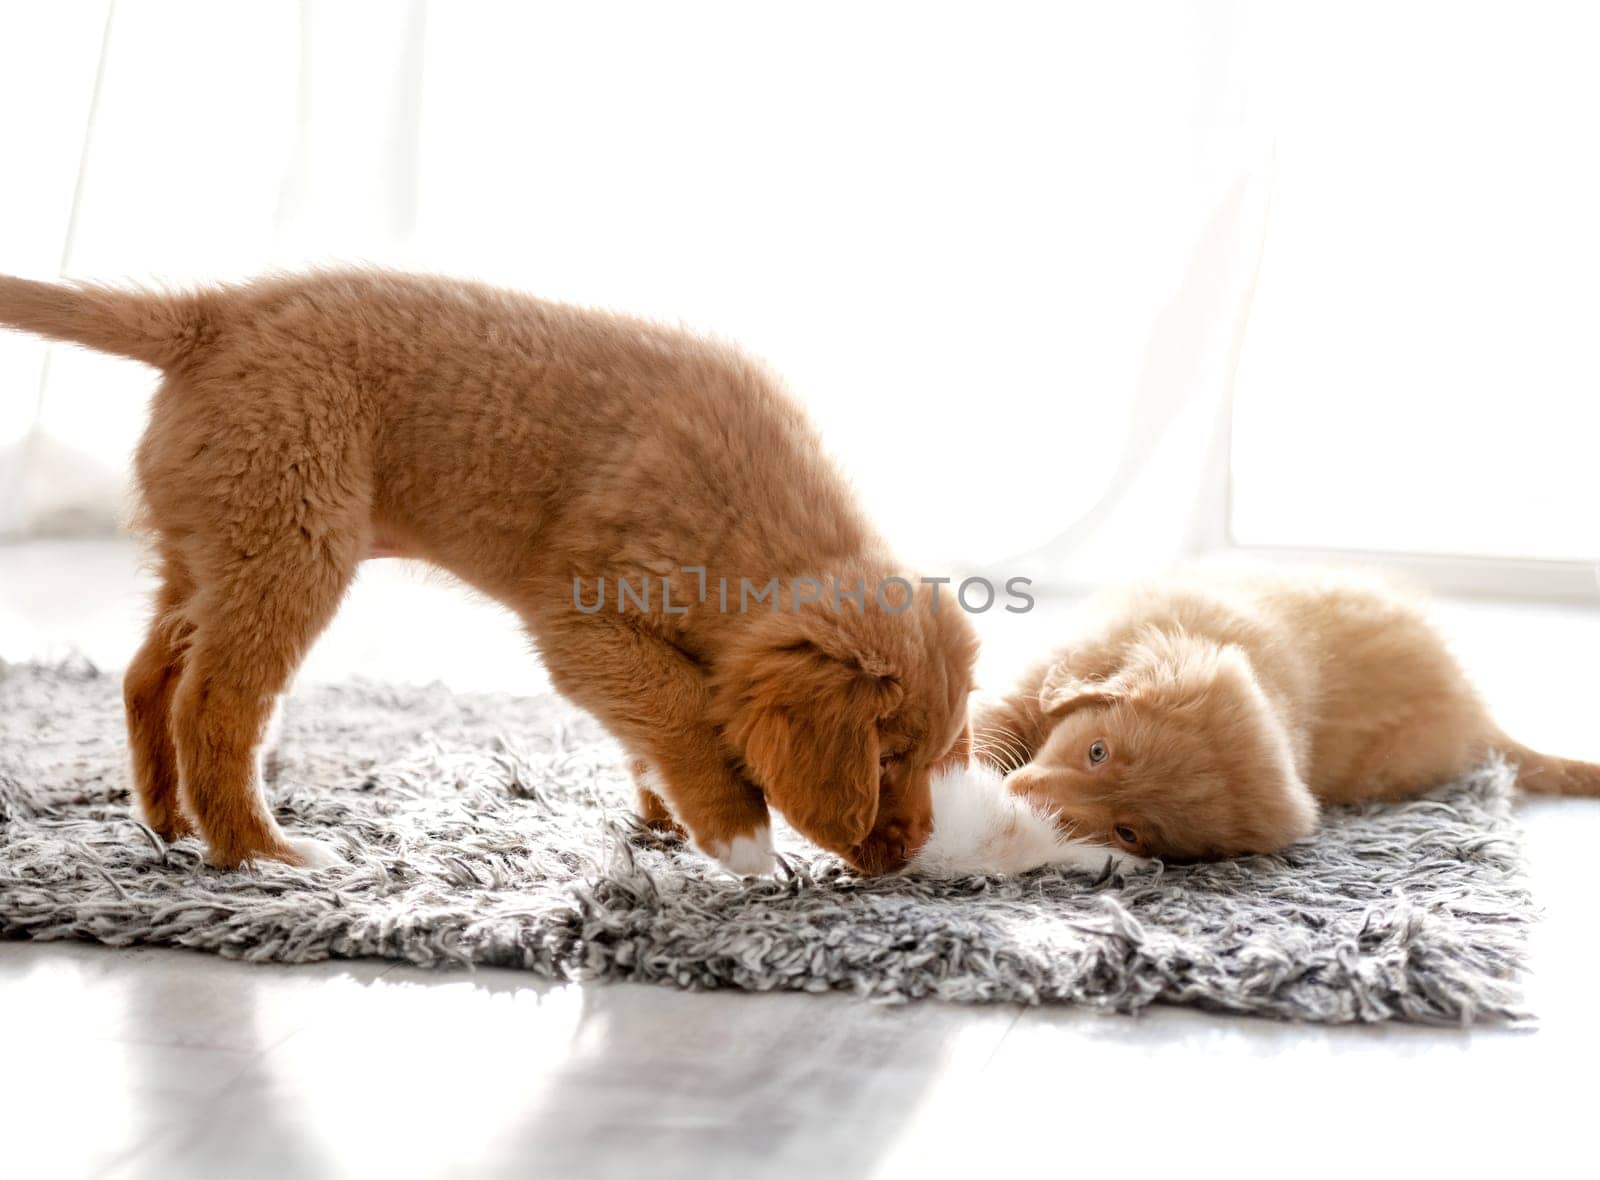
(492, 829)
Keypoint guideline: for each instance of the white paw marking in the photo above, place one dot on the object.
(316, 854)
(745, 856)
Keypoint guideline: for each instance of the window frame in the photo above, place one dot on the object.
(1458, 575)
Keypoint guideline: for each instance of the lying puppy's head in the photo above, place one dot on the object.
(841, 716)
(1178, 754)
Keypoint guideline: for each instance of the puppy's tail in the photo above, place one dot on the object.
(158, 329)
(1545, 774)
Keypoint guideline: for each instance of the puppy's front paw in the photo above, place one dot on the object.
(749, 855)
(315, 855)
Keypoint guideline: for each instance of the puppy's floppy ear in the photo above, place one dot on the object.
(1063, 690)
(807, 730)
(1104, 671)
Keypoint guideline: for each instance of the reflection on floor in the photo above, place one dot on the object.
(164, 1063)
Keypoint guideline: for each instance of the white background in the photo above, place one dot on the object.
(1021, 261)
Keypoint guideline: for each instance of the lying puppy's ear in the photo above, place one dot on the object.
(807, 731)
(1064, 691)
(1107, 672)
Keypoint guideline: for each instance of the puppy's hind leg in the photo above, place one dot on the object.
(254, 618)
(653, 809)
(1429, 744)
(147, 696)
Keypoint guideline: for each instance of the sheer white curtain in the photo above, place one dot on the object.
(1003, 253)
(1422, 368)
(173, 142)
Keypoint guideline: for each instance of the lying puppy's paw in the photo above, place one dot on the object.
(315, 855)
(1121, 862)
(749, 855)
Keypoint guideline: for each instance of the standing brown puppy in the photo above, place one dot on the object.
(544, 455)
(1207, 717)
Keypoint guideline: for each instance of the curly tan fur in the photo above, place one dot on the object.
(1207, 717)
(307, 422)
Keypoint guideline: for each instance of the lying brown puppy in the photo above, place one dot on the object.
(1206, 718)
(541, 453)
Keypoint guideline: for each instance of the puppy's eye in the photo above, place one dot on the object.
(1126, 834)
(1098, 753)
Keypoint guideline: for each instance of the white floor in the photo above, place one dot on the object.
(162, 1063)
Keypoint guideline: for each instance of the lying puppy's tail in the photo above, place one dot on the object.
(1545, 774)
(160, 330)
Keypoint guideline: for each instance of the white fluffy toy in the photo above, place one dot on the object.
(980, 828)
